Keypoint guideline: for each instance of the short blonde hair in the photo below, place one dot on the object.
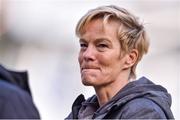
(131, 32)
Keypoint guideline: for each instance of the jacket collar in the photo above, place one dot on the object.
(143, 88)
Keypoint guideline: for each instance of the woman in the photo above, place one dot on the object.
(112, 43)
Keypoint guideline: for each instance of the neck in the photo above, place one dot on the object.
(106, 93)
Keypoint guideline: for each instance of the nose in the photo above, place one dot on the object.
(89, 53)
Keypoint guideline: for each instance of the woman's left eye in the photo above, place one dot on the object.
(102, 45)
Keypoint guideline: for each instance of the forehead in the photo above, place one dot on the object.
(99, 28)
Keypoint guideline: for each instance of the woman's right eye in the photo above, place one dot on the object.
(83, 45)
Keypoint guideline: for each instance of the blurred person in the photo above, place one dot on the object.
(15, 96)
(112, 42)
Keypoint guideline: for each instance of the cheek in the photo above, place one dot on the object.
(110, 63)
(106, 60)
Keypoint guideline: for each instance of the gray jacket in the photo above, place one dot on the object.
(140, 99)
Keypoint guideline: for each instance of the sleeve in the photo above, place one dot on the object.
(142, 108)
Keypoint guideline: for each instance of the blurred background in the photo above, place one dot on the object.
(38, 36)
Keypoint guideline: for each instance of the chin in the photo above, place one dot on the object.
(88, 82)
(95, 82)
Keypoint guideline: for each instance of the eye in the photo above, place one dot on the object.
(83, 45)
(102, 45)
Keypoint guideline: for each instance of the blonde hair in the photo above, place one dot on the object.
(131, 32)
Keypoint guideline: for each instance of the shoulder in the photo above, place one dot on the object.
(15, 102)
(8, 91)
(142, 108)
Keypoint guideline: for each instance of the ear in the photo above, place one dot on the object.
(130, 58)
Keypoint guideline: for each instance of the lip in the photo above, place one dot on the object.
(89, 68)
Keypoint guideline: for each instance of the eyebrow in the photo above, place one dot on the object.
(82, 40)
(103, 40)
(97, 40)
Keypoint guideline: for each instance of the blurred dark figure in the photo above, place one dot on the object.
(15, 96)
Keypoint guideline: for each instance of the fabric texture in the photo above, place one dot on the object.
(140, 99)
(15, 96)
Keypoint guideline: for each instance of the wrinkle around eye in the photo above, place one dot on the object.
(103, 46)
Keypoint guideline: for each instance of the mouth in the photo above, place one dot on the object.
(89, 68)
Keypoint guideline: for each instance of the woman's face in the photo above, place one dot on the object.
(99, 55)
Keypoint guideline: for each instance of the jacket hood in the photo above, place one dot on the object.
(19, 79)
(142, 88)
